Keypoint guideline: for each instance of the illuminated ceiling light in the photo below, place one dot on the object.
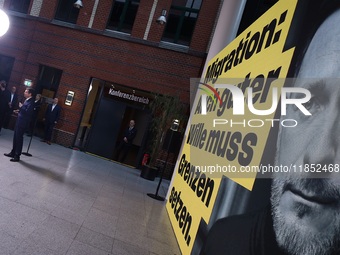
(4, 22)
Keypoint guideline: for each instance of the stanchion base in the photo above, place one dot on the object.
(156, 197)
(26, 154)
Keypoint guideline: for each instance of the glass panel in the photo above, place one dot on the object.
(67, 12)
(19, 5)
(48, 79)
(123, 15)
(47, 85)
(91, 106)
(181, 21)
(6, 65)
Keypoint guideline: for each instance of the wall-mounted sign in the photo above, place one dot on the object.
(69, 97)
(28, 82)
(127, 94)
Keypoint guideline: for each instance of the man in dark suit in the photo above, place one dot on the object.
(125, 145)
(37, 105)
(5, 97)
(52, 115)
(12, 104)
(24, 112)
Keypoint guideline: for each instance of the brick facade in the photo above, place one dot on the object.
(83, 53)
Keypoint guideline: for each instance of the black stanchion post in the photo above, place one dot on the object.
(173, 129)
(156, 196)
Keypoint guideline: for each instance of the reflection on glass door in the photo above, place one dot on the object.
(93, 96)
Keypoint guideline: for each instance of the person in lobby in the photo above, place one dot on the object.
(126, 143)
(303, 217)
(24, 112)
(37, 106)
(12, 105)
(4, 100)
(52, 115)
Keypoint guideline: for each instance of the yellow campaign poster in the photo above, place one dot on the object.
(227, 133)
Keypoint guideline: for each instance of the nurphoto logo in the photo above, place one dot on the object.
(231, 96)
(238, 99)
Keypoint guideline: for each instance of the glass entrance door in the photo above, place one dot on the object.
(105, 129)
(106, 117)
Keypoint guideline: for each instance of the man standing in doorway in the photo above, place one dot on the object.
(125, 145)
(37, 105)
(52, 115)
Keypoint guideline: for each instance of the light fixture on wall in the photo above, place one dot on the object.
(174, 125)
(162, 19)
(78, 4)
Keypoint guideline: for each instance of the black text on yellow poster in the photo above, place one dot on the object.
(218, 141)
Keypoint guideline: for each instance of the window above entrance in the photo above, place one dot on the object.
(123, 15)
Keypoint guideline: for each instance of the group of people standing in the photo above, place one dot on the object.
(27, 115)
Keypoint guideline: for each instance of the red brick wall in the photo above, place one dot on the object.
(85, 14)
(156, 30)
(142, 18)
(204, 25)
(83, 54)
(48, 9)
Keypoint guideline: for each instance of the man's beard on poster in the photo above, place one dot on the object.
(297, 239)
